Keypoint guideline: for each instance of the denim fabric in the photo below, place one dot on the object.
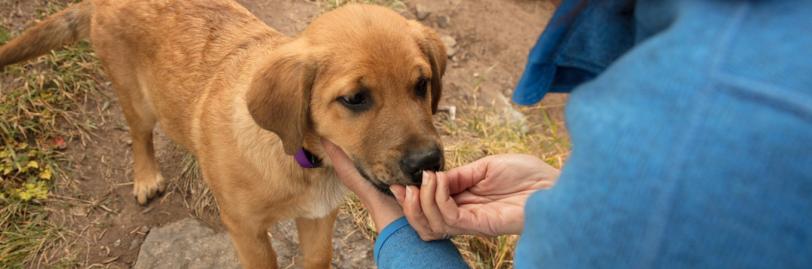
(692, 150)
(691, 126)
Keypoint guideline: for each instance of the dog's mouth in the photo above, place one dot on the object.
(379, 185)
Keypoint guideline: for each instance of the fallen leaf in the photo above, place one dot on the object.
(59, 143)
(32, 164)
(46, 174)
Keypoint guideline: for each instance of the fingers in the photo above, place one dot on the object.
(466, 176)
(446, 205)
(462, 221)
(414, 214)
(421, 210)
(422, 207)
(429, 204)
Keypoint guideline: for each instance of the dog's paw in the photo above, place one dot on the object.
(148, 187)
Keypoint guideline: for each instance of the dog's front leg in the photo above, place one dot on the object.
(316, 240)
(252, 242)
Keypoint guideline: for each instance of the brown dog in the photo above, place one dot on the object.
(243, 98)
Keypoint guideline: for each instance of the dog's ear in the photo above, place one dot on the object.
(279, 95)
(433, 48)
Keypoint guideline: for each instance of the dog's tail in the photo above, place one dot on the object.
(63, 28)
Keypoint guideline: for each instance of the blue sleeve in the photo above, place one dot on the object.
(399, 246)
(693, 150)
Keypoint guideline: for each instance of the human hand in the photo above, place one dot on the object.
(382, 208)
(485, 197)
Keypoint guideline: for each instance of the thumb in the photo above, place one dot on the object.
(399, 191)
(448, 207)
(342, 164)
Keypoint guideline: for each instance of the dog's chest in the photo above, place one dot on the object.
(325, 195)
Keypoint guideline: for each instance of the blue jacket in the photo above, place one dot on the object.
(691, 126)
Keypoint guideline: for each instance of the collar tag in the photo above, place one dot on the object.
(305, 159)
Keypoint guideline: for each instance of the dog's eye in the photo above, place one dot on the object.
(420, 87)
(359, 101)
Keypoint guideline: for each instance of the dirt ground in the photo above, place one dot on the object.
(492, 41)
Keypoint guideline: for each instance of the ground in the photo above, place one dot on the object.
(99, 224)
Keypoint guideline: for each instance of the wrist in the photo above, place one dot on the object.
(383, 211)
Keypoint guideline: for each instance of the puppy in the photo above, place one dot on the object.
(244, 99)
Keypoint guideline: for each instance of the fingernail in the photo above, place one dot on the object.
(426, 178)
(396, 193)
(409, 192)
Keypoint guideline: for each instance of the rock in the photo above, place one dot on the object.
(187, 243)
(135, 243)
(421, 12)
(450, 52)
(450, 44)
(443, 21)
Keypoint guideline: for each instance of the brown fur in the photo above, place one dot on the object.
(242, 97)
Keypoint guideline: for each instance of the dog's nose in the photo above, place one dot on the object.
(415, 162)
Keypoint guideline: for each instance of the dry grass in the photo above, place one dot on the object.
(196, 195)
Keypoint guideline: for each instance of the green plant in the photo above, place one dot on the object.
(5, 35)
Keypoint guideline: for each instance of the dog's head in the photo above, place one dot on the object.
(365, 78)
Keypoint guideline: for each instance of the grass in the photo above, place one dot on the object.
(27, 234)
(40, 105)
(196, 195)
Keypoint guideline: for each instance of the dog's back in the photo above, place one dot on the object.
(174, 55)
(153, 26)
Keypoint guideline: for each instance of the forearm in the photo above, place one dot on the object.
(399, 246)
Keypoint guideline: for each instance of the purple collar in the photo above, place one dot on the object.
(305, 159)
